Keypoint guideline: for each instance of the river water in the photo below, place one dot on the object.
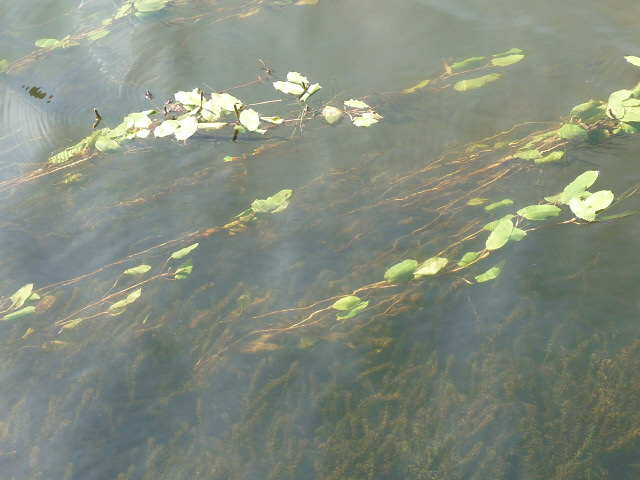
(236, 366)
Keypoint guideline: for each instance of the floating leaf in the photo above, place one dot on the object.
(108, 145)
(211, 126)
(347, 303)
(550, 158)
(183, 252)
(469, 63)
(501, 203)
(416, 87)
(72, 324)
(570, 131)
(225, 101)
(500, 234)
(578, 187)
(119, 307)
(21, 296)
(401, 271)
(275, 120)
(528, 155)
(352, 313)
(48, 43)
(631, 128)
(589, 111)
(430, 266)
(473, 83)
(250, 119)
(469, 258)
(4, 65)
(539, 212)
(98, 34)
(139, 270)
(587, 209)
(355, 104)
(331, 114)
(295, 77)
(492, 273)
(310, 91)
(288, 87)
(507, 58)
(150, 5)
(517, 234)
(491, 226)
(476, 201)
(24, 312)
(188, 126)
(615, 108)
(366, 120)
(633, 60)
(184, 270)
(274, 204)
(166, 128)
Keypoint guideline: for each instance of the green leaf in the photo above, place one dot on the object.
(289, 88)
(24, 312)
(355, 104)
(192, 98)
(21, 296)
(418, 86)
(211, 126)
(166, 128)
(98, 34)
(589, 110)
(352, 313)
(276, 120)
(631, 128)
(274, 204)
(491, 226)
(211, 111)
(468, 64)
(295, 77)
(492, 273)
(119, 307)
(473, 83)
(150, 5)
(366, 120)
(401, 271)
(528, 155)
(347, 303)
(552, 157)
(578, 187)
(49, 43)
(500, 234)
(539, 212)
(225, 101)
(517, 234)
(476, 201)
(430, 266)
(72, 324)
(183, 252)
(469, 258)
(507, 58)
(108, 145)
(501, 203)
(331, 114)
(615, 108)
(310, 91)
(250, 119)
(587, 209)
(633, 60)
(184, 270)
(139, 270)
(188, 126)
(4, 65)
(570, 131)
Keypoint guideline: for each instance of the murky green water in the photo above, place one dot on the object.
(241, 370)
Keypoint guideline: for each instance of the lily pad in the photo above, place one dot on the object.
(473, 83)
(401, 271)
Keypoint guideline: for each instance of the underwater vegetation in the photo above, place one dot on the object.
(180, 360)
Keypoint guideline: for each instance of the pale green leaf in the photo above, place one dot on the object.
(355, 104)
(507, 58)
(469, 258)
(517, 234)
(539, 212)
(491, 226)
(500, 234)
(150, 5)
(469, 63)
(633, 60)
(118, 307)
(108, 145)
(473, 83)
(183, 252)
(274, 204)
(366, 119)
(188, 126)
(418, 86)
(579, 186)
(295, 77)
(49, 43)
(275, 120)
(550, 158)
(184, 270)
(225, 101)
(4, 65)
(288, 87)
(72, 324)
(502, 203)
(211, 126)
(21, 296)
(570, 131)
(615, 108)
(492, 273)
(347, 303)
(139, 270)
(476, 201)
(310, 91)
(166, 128)
(331, 114)
(401, 271)
(352, 313)
(98, 34)
(23, 312)
(250, 119)
(430, 266)
(528, 155)
(588, 208)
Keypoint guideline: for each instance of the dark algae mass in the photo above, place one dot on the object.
(375, 319)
